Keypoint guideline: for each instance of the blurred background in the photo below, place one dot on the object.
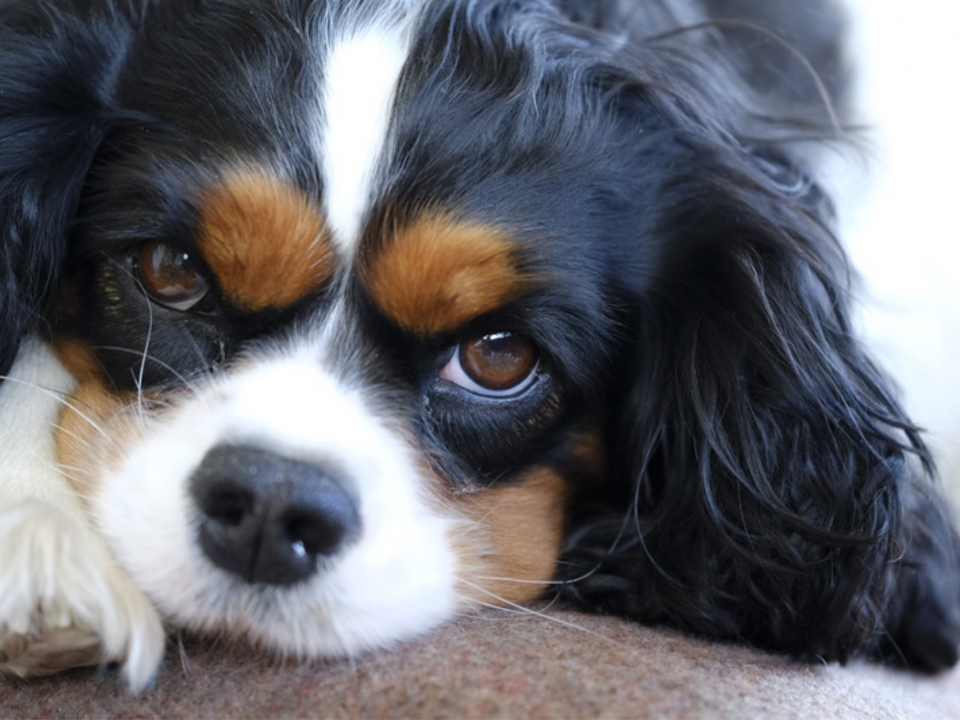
(900, 207)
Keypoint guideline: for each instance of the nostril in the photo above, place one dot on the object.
(226, 503)
(269, 518)
(311, 535)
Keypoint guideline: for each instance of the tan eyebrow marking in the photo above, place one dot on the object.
(265, 240)
(438, 273)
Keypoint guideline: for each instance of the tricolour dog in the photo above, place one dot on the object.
(323, 321)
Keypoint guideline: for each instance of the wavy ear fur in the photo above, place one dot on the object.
(769, 486)
(57, 66)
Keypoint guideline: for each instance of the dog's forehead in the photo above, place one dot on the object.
(272, 242)
(359, 77)
(270, 246)
(377, 149)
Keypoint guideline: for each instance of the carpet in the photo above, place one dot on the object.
(556, 664)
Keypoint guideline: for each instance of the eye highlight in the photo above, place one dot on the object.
(170, 276)
(494, 365)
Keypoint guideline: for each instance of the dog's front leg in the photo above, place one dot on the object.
(64, 602)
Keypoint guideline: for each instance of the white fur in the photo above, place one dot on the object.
(395, 581)
(360, 79)
(63, 600)
(30, 400)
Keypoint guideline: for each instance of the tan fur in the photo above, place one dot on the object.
(83, 442)
(80, 444)
(265, 240)
(76, 357)
(514, 555)
(438, 273)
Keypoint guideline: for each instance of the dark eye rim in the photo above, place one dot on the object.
(453, 373)
(194, 302)
(487, 438)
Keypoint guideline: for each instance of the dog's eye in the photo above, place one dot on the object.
(495, 365)
(170, 276)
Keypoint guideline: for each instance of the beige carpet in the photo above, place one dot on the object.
(502, 665)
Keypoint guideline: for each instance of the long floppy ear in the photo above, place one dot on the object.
(57, 66)
(771, 489)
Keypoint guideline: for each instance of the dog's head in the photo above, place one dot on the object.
(371, 306)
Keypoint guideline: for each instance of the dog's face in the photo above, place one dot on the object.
(338, 311)
(383, 311)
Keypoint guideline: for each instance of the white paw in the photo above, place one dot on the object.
(64, 603)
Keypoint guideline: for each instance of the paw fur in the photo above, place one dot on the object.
(64, 603)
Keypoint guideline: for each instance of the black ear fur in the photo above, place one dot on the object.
(57, 66)
(771, 488)
(775, 484)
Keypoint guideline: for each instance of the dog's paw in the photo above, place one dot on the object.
(64, 603)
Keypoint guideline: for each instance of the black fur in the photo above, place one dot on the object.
(57, 72)
(766, 485)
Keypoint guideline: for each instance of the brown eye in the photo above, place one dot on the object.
(169, 275)
(496, 365)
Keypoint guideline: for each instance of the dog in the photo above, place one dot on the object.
(323, 322)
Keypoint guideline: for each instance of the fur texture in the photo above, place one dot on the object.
(355, 316)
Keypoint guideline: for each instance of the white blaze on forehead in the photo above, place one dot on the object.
(360, 80)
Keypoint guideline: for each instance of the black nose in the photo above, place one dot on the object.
(268, 518)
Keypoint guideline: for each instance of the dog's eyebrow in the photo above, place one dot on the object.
(265, 240)
(437, 273)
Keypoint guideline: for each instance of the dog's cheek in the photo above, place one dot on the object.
(512, 553)
(93, 428)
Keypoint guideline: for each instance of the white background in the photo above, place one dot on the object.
(901, 213)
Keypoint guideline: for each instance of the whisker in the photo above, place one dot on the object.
(58, 394)
(68, 469)
(185, 381)
(78, 438)
(509, 606)
(67, 472)
(145, 355)
(582, 577)
(60, 397)
(499, 608)
(185, 665)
